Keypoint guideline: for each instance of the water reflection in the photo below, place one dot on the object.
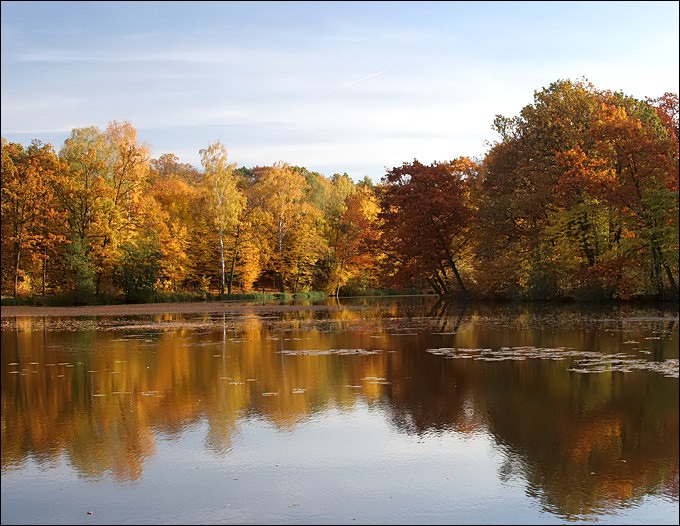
(100, 392)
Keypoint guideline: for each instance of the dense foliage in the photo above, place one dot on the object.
(577, 199)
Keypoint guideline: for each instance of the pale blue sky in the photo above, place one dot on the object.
(356, 87)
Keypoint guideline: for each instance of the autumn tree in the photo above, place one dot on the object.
(350, 217)
(640, 145)
(107, 176)
(86, 198)
(426, 215)
(332, 204)
(290, 225)
(225, 200)
(32, 223)
(175, 188)
(668, 111)
(519, 196)
(169, 166)
(128, 182)
(356, 261)
(576, 197)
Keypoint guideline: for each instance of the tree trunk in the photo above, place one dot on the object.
(233, 259)
(459, 280)
(671, 280)
(435, 286)
(441, 281)
(44, 272)
(222, 262)
(449, 258)
(231, 275)
(297, 281)
(17, 253)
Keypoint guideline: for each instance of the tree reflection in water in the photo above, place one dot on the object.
(101, 391)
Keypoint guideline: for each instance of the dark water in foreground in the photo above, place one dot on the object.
(372, 411)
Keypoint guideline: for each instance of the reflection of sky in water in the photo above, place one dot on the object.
(355, 457)
(366, 472)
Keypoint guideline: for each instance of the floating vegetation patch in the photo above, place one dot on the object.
(583, 361)
(607, 363)
(312, 352)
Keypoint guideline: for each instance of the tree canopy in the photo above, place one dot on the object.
(577, 198)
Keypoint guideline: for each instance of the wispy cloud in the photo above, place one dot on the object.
(342, 85)
(354, 82)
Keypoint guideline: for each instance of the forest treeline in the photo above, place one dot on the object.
(577, 198)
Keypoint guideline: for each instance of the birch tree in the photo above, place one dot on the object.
(225, 200)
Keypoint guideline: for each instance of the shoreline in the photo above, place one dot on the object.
(133, 309)
(235, 307)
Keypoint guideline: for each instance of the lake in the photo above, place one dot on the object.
(396, 410)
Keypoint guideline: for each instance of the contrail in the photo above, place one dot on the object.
(357, 81)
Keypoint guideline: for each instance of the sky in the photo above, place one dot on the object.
(352, 87)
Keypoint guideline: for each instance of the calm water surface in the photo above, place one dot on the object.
(367, 411)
